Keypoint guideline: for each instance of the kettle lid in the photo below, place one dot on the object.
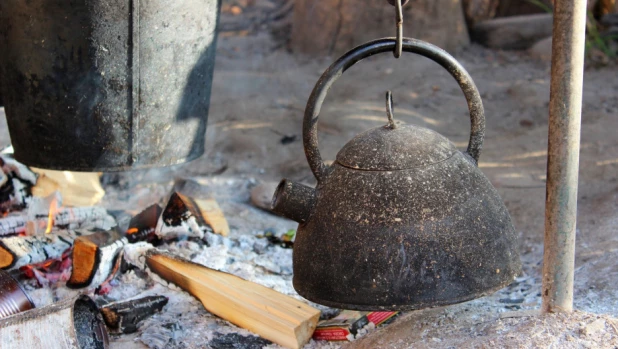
(396, 146)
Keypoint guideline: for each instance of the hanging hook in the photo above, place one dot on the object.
(389, 110)
(399, 23)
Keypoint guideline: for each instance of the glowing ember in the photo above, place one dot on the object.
(53, 209)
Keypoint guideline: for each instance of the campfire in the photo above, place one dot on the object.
(146, 267)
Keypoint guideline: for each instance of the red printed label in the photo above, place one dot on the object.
(331, 334)
(379, 317)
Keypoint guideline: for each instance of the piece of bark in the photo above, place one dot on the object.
(76, 188)
(185, 216)
(513, 33)
(17, 251)
(93, 257)
(142, 226)
(126, 316)
(270, 314)
(332, 27)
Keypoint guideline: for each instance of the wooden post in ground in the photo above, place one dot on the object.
(565, 108)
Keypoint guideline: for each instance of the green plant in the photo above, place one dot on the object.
(540, 4)
(595, 40)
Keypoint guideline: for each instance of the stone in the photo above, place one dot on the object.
(513, 33)
(541, 50)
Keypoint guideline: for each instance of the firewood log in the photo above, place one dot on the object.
(185, 216)
(142, 226)
(17, 251)
(67, 218)
(12, 225)
(93, 258)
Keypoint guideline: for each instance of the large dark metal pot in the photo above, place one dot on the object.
(403, 219)
(107, 85)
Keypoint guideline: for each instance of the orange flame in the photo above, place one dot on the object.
(53, 209)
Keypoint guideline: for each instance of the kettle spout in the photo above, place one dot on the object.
(294, 201)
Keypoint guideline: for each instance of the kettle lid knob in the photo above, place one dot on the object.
(389, 110)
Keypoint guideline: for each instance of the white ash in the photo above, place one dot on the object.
(134, 254)
(107, 262)
(12, 224)
(43, 296)
(20, 197)
(17, 169)
(188, 228)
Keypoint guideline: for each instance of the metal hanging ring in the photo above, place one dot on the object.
(438, 55)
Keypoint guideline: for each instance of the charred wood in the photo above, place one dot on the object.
(94, 257)
(106, 285)
(18, 251)
(127, 316)
(142, 226)
(65, 218)
(185, 216)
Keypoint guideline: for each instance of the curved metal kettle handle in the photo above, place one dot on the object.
(310, 123)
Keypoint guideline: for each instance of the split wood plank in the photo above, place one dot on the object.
(268, 313)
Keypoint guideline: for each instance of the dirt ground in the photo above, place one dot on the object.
(259, 94)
